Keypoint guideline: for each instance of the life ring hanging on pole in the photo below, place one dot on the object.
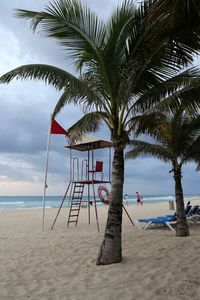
(100, 190)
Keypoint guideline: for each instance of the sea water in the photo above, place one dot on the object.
(27, 202)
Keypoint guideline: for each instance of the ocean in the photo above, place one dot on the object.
(33, 202)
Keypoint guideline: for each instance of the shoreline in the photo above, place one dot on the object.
(194, 201)
(131, 202)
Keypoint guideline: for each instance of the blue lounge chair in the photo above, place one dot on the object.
(194, 214)
(167, 220)
(189, 211)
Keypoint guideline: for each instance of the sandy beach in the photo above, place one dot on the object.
(60, 264)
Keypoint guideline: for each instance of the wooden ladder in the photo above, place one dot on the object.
(75, 205)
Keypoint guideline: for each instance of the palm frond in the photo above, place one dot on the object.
(188, 97)
(142, 148)
(87, 124)
(49, 74)
(178, 23)
(77, 28)
(193, 153)
(151, 60)
(82, 95)
(153, 124)
(176, 136)
(198, 167)
(165, 94)
(118, 30)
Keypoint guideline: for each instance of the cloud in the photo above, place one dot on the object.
(25, 113)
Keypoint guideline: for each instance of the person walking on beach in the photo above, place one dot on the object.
(138, 198)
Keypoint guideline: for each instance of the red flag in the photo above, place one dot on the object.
(57, 129)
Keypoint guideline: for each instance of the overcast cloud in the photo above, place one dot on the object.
(25, 112)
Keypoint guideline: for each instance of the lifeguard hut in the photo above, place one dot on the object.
(86, 175)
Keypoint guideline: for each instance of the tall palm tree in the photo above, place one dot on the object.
(176, 140)
(118, 69)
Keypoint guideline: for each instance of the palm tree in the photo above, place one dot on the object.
(118, 69)
(176, 141)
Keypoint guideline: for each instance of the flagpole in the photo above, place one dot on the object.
(46, 170)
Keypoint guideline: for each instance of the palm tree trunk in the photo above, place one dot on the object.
(111, 247)
(182, 228)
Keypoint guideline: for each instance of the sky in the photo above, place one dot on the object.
(25, 114)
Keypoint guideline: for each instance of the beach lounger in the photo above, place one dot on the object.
(167, 220)
(189, 211)
(194, 214)
(160, 221)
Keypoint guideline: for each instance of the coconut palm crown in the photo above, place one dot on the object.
(121, 74)
(176, 140)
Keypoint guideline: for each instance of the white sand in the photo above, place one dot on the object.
(60, 264)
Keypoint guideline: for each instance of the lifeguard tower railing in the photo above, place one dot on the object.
(85, 173)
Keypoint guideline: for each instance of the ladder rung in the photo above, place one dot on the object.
(74, 209)
(73, 216)
(72, 221)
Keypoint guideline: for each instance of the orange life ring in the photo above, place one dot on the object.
(103, 188)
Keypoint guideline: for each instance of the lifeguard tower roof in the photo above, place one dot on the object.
(89, 142)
